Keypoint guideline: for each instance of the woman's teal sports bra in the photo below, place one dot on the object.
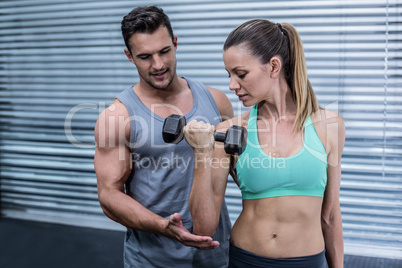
(262, 176)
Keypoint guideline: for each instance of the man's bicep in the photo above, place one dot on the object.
(112, 162)
(112, 156)
(112, 167)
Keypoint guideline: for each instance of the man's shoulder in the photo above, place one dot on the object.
(115, 110)
(223, 103)
(112, 115)
(110, 128)
(126, 93)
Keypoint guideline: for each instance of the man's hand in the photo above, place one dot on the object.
(182, 235)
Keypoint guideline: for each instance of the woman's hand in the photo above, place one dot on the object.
(200, 136)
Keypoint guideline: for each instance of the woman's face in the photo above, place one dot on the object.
(249, 78)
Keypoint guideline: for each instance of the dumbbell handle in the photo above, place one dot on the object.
(219, 136)
(234, 139)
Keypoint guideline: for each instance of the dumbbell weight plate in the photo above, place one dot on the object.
(172, 131)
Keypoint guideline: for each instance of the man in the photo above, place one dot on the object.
(144, 183)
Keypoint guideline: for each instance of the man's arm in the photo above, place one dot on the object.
(113, 167)
(331, 213)
(223, 103)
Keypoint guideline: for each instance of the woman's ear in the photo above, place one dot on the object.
(275, 66)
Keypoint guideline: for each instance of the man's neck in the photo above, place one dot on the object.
(146, 91)
(176, 99)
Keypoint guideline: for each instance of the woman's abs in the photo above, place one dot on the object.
(280, 227)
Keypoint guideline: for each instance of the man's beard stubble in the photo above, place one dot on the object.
(152, 84)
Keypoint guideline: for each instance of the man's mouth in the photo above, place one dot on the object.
(159, 75)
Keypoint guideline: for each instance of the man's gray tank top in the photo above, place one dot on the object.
(161, 181)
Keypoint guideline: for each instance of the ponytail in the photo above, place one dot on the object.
(302, 91)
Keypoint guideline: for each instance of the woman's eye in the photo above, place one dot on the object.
(241, 75)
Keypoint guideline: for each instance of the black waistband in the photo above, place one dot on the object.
(239, 258)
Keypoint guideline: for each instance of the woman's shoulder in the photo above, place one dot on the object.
(330, 128)
(324, 117)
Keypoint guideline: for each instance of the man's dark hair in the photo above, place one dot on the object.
(145, 19)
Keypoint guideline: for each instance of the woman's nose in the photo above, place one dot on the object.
(233, 85)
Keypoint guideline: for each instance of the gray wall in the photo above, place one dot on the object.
(62, 63)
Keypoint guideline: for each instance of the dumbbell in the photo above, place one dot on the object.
(234, 139)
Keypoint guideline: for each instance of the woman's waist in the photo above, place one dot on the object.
(279, 234)
(277, 243)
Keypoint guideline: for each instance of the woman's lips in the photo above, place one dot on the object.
(242, 97)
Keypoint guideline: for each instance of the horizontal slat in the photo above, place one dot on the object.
(379, 186)
(49, 189)
(46, 5)
(48, 175)
(218, 72)
(10, 202)
(205, 12)
(66, 63)
(390, 220)
(73, 164)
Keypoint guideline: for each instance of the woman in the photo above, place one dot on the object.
(289, 173)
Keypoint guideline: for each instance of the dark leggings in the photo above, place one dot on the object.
(239, 258)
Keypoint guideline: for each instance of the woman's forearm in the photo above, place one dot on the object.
(203, 210)
(332, 230)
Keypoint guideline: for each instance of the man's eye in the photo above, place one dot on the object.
(165, 51)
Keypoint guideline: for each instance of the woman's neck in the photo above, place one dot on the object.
(279, 106)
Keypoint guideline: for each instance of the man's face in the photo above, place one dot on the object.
(154, 55)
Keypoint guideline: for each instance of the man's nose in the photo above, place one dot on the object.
(157, 62)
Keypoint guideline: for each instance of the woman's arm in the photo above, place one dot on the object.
(331, 213)
(211, 170)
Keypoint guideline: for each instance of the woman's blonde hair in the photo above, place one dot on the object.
(265, 39)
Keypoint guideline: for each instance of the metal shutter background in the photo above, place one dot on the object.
(62, 62)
